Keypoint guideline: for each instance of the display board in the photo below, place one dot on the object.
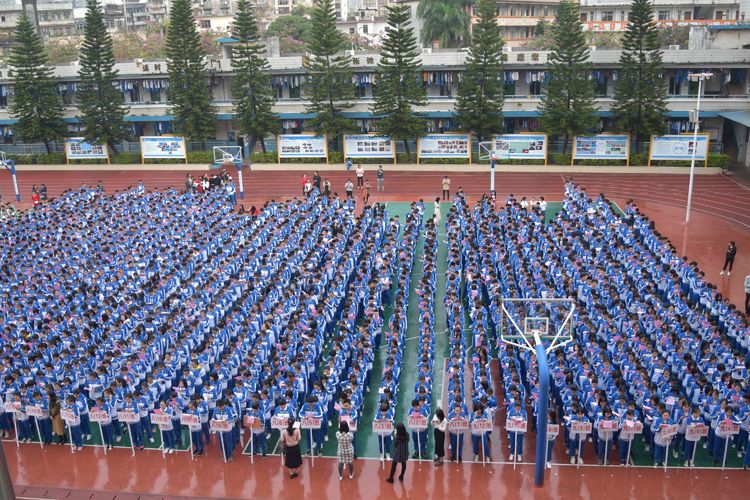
(76, 148)
(678, 147)
(159, 147)
(302, 146)
(369, 146)
(444, 146)
(602, 147)
(520, 146)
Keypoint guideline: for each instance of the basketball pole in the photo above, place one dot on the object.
(541, 417)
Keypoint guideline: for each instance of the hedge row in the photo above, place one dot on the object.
(714, 160)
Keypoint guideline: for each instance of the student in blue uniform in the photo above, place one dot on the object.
(311, 408)
(167, 430)
(136, 432)
(225, 412)
(577, 442)
(196, 431)
(384, 412)
(45, 424)
(694, 419)
(660, 442)
(257, 428)
(107, 434)
(516, 438)
(604, 446)
(551, 419)
(419, 437)
(626, 439)
(23, 425)
(456, 438)
(75, 425)
(477, 438)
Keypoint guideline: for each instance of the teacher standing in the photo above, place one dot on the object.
(290, 438)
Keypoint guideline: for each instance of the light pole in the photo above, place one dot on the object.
(699, 77)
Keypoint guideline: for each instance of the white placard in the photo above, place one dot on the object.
(302, 146)
(515, 425)
(458, 425)
(128, 417)
(417, 422)
(520, 146)
(310, 422)
(76, 148)
(163, 147)
(384, 427)
(99, 416)
(444, 146)
(34, 411)
(368, 146)
(220, 425)
(677, 147)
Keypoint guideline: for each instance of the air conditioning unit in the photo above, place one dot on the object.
(426, 50)
(674, 47)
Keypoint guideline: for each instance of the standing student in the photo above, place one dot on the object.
(107, 434)
(605, 437)
(225, 412)
(660, 443)
(136, 431)
(75, 425)
(45, 426)
(419, 437)
(195, 430)
(258, 424)
(577, 442)
(380, 176)
(290, 438)
(457, 438)
(348, 164)
(345, 451)
(167, 429)
(400, 452)
(694, 419)
(360, 176)
(22, 420)
(516, 438)
(439, 425)
(367, 192)
(552, 419)
(437, 216)
(479, 440)
(349, 189)
(729, 258)
(385, 412)
(83, 408)
(446, 188)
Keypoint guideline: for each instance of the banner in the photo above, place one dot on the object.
(678, 147)
(78, 149)
(602, 147)
(368, 146)
(520, 146)
(302, 146)
(163, 147)
(444, 146)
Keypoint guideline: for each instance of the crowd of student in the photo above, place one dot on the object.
(653, 341)
(170, 303)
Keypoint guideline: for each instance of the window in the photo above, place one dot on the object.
(608, 15)
(365, 29)
(719, 15)
(692, 88)
(295, 92)
(2, 18)
(663, 15)
(351, 31)
(205, 24)
(674, 87)
(623, 15)
(510, 88)
(584, 17)
(600, 88)
(535, 88)
(155, 95)
(687, 16)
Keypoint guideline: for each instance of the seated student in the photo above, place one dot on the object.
(457, 438)
(480, 440)
(660, 441)
(226, 413)
(106, 426)
(384, 412)
(516, 438)
(257, 421)
(75, 424)
(576, 441)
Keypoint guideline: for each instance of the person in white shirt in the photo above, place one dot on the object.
(360, 176)
(542, 204)
(747, 294)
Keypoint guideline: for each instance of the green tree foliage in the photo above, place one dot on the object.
(189, 93)
(100, 101)
(329, 79)
(251, 84)
(36, 103)
(399, 87)
(640, 94)
(567, 109)
(481, 92)
(444, 21)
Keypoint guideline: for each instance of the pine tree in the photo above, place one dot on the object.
(189, 93)
(481, 93)
(251, 85)
(640, 107)
(36, 103)
(568, 107)
(399, 87)
(100, 102)
(329, 80)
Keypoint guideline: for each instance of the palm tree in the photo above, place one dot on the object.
(444, 21)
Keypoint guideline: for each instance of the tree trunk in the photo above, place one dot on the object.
(406, 148)
(262, 146)
(47, 146)
(253, 140)
(565, 143)
(112, 148)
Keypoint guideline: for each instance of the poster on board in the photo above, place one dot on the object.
(368, 146)
(302, 146)
(678, 147)
(163, 147)
(520, 146)
(444, 146)
(76, 148)
(602, 147)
